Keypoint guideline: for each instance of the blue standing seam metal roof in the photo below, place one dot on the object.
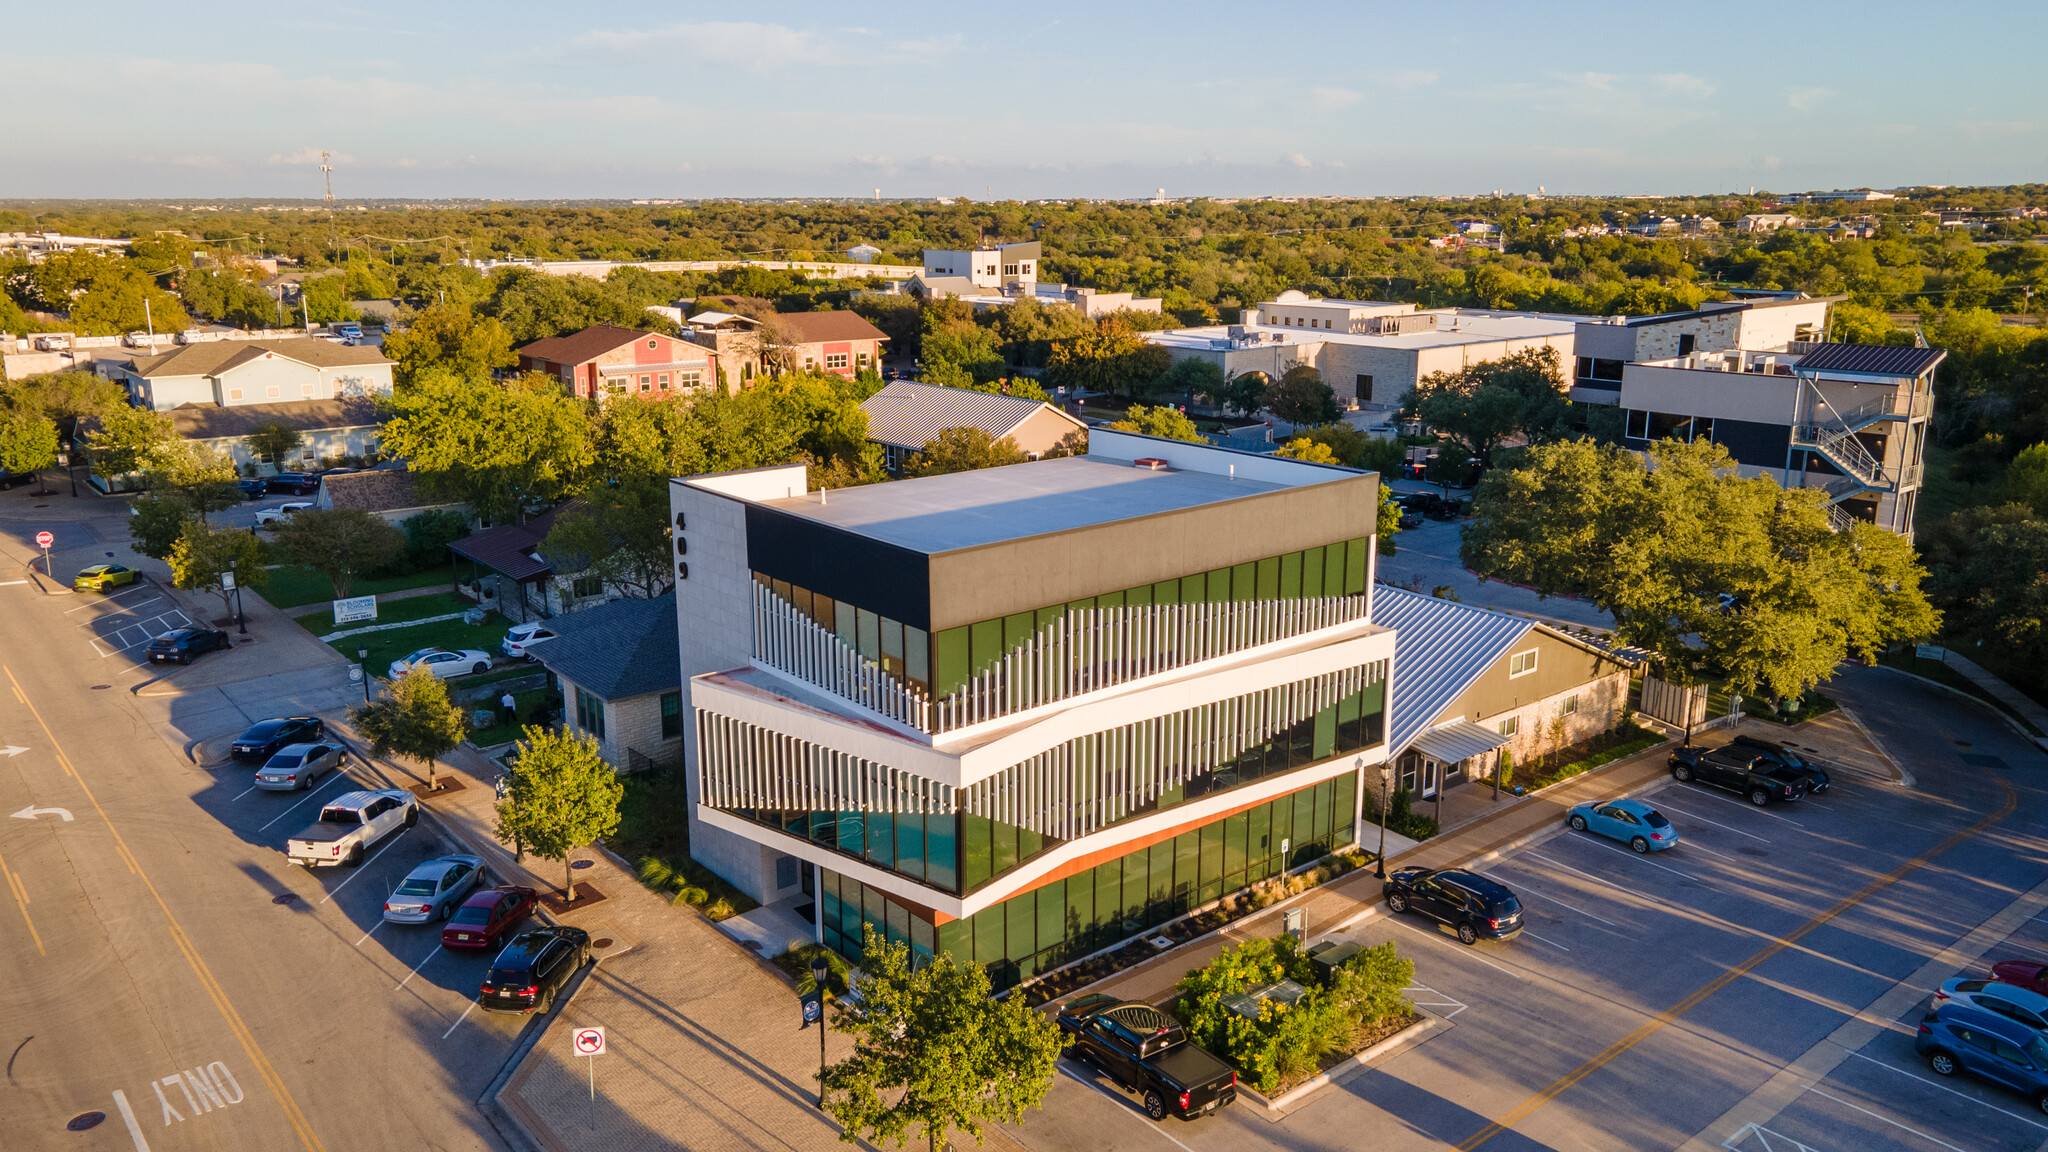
(1870, 359)
(618, 650)
(1440, 648)
(909, 415)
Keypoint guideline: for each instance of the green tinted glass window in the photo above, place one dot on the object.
(1290, 576)
(1219, 586)
(988, 935)
(1311, 573)
(1258, 837)
(1081, 905)
(1333, 570)
(988, 643)
(1052, 913)
(1212, 851)
(1326, 734)
(1234, 828)
(1269, 579)
(1003, 845)
(1017, 629)
(1244, 581)
(1136, 868)
(1020, 914)
(1355, 554)
(956, 939)
(1193, 589)
(1344, 812)
(975, 861)
(1159, 881)
(1110, 600)
(1187, 852)
(1166, 592)
(950, 650)
(910, 844)
(941, 851)
(1138, 597)
(1109, 896)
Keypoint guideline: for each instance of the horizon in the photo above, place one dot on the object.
(526, 102)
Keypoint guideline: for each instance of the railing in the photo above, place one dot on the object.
(1869, 412)
(1091, 649)
(1082, 651)
(1839, 520)
(1841, 446)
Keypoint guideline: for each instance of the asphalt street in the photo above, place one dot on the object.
(1651, 995)
(163, 965)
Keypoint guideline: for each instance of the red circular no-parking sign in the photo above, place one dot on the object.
(44, 539)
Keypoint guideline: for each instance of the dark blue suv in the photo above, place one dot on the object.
(1956, 1037)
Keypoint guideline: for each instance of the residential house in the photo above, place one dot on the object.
(1369, 352)
(605, 360)
(839, 342)
(1852, 419)
(1763, 223)
(903, 417)
(620, 679)
(328, 430)
(390, 494)
(1020, 714)
(231, 373)
(1475, 680)
(993, 277)
(507, 571)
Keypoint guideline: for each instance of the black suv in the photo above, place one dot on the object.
(532, 969)
(294, 483)
(180, 645)
(1817, 780)
(1147, 1051)
(1467, 903)
(1739, 770)
(263, 740)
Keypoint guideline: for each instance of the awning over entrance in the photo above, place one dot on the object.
(1458, 740)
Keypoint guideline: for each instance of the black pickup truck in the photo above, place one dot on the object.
(1742, 771)
(1146, 1051)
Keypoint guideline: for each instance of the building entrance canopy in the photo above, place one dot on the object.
(1458, 740)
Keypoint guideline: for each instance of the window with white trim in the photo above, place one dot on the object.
(689, 379)
(1569, 705)
(271, 392)
(1522, 663)
(835, 361)
(1511, 725)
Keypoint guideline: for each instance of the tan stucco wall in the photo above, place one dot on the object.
(1043, 430)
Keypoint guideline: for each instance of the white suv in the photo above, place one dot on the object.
(283, 512)
(519, 642)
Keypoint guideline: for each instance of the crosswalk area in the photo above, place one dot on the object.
(120, 625)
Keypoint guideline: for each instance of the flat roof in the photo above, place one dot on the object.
(1470, 329)
(933, 514)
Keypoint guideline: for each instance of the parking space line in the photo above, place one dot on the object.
(1949, 1090)
(1715, 823)
(1463, 949)
(1552, 943)
(1689, 846)
(1886, 1119)
(1560, 903)
(341, 776)
(459, 1020)
(1644, 857)
(365, 866)
(1124, 1105)
(365, 936)
(1702, 791)
(1448, 1001)
(416, 968)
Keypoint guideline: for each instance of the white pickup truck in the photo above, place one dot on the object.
(350, 825)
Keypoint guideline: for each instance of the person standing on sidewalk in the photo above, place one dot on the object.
(508, 707)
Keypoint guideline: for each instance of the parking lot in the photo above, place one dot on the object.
(1650, 995)
(117, 625)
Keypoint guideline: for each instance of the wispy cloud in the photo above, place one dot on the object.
(308, 155)
(1298, 160)
(1412, 78)
(1331, 99)
(757, 48)
(1684, 84)
(1995, 127)
(1805, 99)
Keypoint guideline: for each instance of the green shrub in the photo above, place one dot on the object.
(1288, 1042)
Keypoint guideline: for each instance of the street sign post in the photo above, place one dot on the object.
(43, 541)
(589, 1042)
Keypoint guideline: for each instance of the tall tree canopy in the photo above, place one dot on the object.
(1520, 396)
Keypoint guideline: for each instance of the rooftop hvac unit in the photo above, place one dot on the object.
(1400, 323)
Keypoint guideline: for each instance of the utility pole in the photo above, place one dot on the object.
(327, 176)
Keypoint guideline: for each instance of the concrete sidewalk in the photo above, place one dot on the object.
(2021, 704)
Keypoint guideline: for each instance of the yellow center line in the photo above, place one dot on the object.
(214, 991)
(20, 893)
(1657, 1023)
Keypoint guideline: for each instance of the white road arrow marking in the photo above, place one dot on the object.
(31, 812)
(12, 750)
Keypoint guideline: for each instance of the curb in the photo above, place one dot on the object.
(2040, 742)
(495, 1113)
(1280, 1107)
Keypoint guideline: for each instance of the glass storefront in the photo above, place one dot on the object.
(1073, 916)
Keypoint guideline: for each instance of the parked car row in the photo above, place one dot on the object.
(1764, 771)
(1995, 1029)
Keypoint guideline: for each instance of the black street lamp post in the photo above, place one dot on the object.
(363, 659)
(234, 578)
(821, 971)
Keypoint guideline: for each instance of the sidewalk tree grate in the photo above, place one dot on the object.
(287, 898)
(584, 864)
(101, 687)
(601, 942)
(84, 1121)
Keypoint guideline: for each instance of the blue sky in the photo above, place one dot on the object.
(520, 100)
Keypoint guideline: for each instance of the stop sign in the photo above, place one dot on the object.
(44, 539)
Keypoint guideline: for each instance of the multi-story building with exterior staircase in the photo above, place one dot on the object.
(1852, 419)
(1022, 713)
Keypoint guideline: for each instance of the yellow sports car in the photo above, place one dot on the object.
(103, 577)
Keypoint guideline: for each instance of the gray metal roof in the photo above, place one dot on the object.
(1440, 648)
(618, 650)
(1870, 359)
(1458, 740)
(907, 415)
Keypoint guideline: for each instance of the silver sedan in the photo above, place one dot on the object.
(434, 889)
(296, 766)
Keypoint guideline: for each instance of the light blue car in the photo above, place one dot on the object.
(1632, 822)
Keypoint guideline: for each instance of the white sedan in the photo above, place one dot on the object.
(442, 662)
(281, 513)
(519, 641)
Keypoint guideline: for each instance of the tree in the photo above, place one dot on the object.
(202, 553)
(1389, 522)
(1165, 421)
(1485, 405)
(200, 477)
(1244, 393)
(933, 1052)
(561, 796)
(964, 450)
(620, 535)
(1111, 359)
(1190, 377)
(1301, 397)
(1303, 448)
(156, 522)
(273, 440)
(1346, 444)
(414, 718)
(1991, 580)
(451, 335)
(2026, 479)
(129, 440)
(496, 447)
(428, 535)
(28, 441)
(340, 544)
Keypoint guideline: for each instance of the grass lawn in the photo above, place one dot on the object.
(654, 837)
(505, 733)
(292, 586)
(388, 646)
(411, 608)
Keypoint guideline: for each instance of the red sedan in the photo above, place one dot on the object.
(488, 914)
(2023, 973)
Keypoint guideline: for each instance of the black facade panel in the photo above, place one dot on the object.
(1753, 443)
(882, 578)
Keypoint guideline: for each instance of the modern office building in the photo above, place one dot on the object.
(1774, 322)
(1022, 713)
